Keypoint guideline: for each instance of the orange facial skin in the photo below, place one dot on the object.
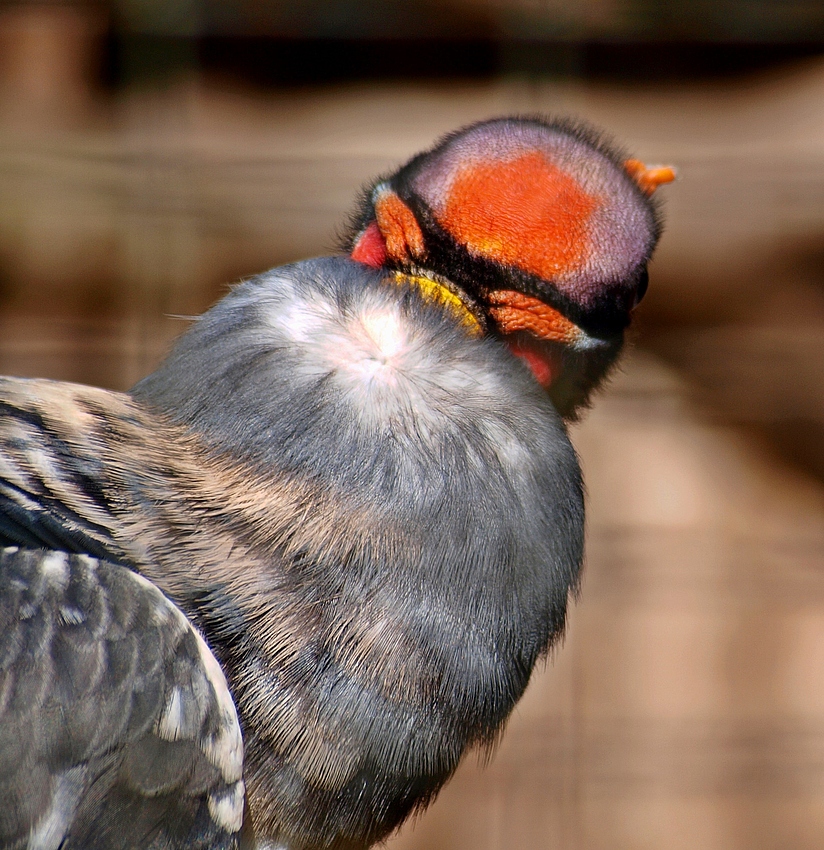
(400, 229)
(513, 312)
(515, 206)
(395, 234)
(524, 212)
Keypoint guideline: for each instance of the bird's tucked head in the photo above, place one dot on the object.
(536, 232)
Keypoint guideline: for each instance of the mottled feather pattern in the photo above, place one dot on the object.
(49, 497)
(107, 713)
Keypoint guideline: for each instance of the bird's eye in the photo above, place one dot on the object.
(641, 288)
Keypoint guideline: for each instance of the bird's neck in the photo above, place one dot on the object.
(371, 249)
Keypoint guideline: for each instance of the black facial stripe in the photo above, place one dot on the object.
(479, 275)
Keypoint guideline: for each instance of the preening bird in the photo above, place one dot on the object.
(272, 595)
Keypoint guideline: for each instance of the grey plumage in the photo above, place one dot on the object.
(372, 514)
(359, 686)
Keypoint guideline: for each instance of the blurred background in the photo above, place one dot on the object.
(154, 151)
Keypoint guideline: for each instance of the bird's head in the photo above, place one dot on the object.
(538, 233)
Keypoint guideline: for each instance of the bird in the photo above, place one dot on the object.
(272, 595)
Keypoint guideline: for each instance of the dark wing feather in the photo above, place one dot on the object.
(117, 729)
(49, 496)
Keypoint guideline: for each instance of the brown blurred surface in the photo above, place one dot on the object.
(686, 706)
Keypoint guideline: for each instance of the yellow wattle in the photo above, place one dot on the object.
(435, 292)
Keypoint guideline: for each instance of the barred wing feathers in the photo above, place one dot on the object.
(117, 727)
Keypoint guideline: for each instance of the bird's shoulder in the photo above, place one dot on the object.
(56, 466)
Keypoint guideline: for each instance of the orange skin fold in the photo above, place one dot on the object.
(649, 178)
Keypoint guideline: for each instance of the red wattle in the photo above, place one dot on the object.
(370, 249)
(540, 367)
